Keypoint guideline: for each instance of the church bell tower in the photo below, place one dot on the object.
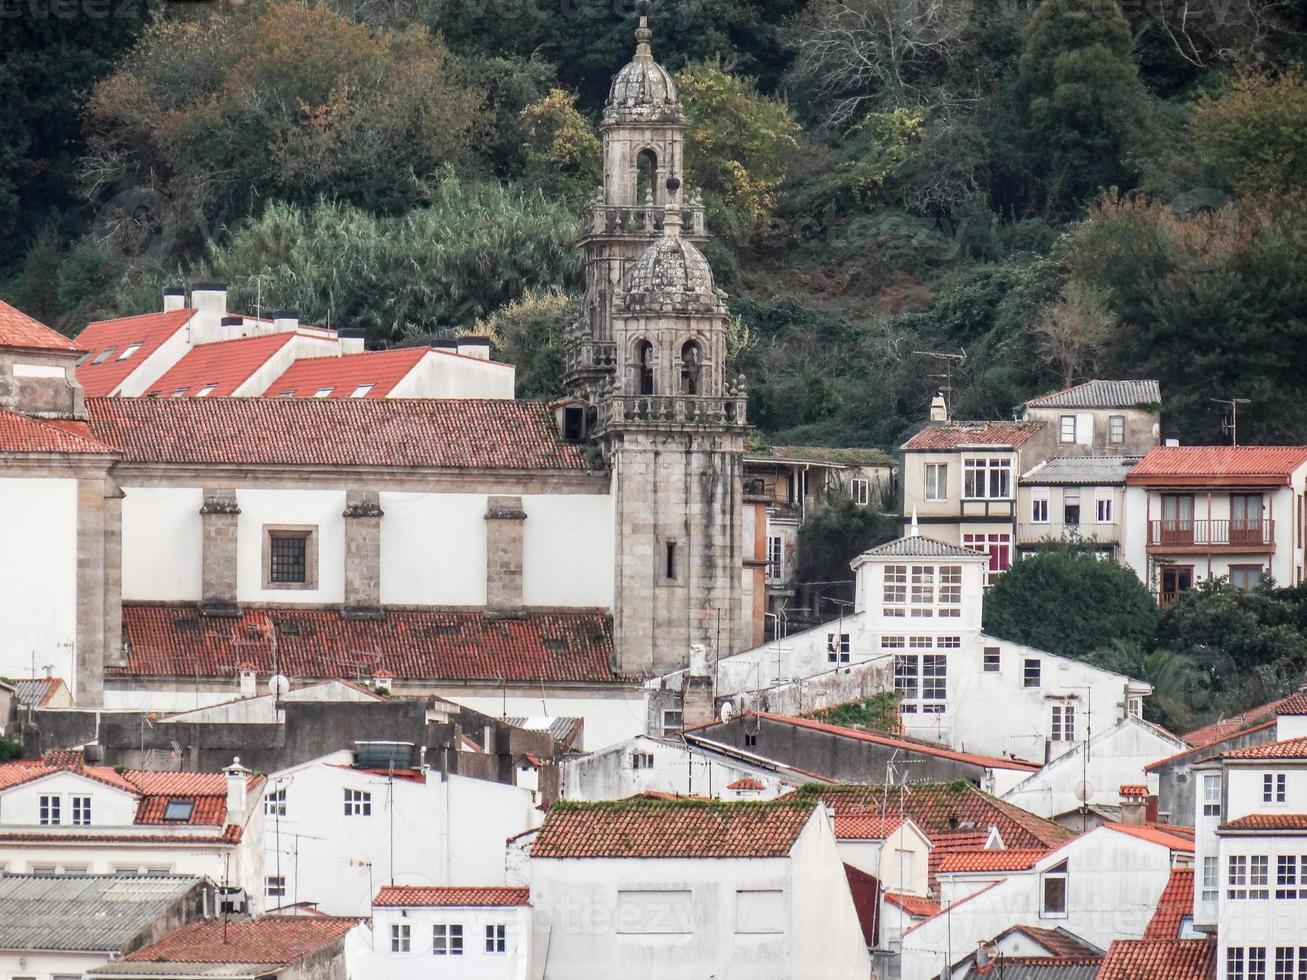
(649, 353)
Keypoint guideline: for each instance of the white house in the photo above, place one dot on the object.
(463, 933)
(73, 819)
(1101, 886)
(892, 849)
(335, 831)
(1251, 852)
(660, 888)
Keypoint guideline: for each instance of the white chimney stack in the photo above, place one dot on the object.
(210, 302)
(174, 298)
(237, 788)
(478, 347)
(351, 340)
(285, 321)
(249, 680)
(938, 408)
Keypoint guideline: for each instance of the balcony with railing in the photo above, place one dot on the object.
(1031, 532)
(623, 220)
(1209, 536)
(674, 409)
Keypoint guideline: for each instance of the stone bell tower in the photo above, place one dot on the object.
(650, 355)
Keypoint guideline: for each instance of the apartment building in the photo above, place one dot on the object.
(1078, 498)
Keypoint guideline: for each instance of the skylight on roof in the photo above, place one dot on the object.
(206, 390)
(128, 351)
(180, 391)
(80, 360)
(286, 394)
(179, 810)
(361, 390)
(323, 392)
(103, 356)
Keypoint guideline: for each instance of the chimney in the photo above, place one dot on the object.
(174, 298)
(237, 787)
(210, 302)
(248, 680)
(232, 327)
(446, 344)
(351, 339)
(478, 347)
(938, 408)
(285, 321)
(1134, 804)
(382, 680)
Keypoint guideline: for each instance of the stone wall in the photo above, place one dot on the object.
(218, 520)
(504, 519)
(363, 550)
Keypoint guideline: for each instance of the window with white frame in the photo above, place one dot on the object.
(399, 937)
(1116, 428)
(950, 591)
(1286, 876)
(936, 482)
(1103, 506)
(999, 548)
(1284, 963)
(993, 660)
(1248, 876)
(447, 939)
(1211, 879)
(923, 590)
(1211, 794)
(775, 558)
(206, 391)
(358, 803)
(1053, 887)
(895, 590)
(82, 811)
(642, 760)
(1273, 787)
(837, 648)
(1039, 505)
(673, 720)
(274, 803)
(1068, 428)
(1235, 964)
(49, 806)
(921, 679)
(274, 886)
(1030, 671)
(1236, 876)
(1063, 723)
(860, 490)
(128, 351)
(497, 938)
(987, 478)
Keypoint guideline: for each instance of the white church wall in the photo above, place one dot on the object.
(323, 509)
(567, 550)
(433, 549)
(38, 576)
(162, 543)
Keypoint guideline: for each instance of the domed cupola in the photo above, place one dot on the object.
(643, 91)
(671, 274)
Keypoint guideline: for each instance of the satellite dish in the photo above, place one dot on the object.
(727, 711)
(278, 684)
(1084, 792)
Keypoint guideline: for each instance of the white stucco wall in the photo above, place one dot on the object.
(610, 718)
(162, 543)
(38, 577)
(110, 807)
(442, 374)
(433, 549)
(153, 367)
(475, 963)
(323, 508)
(46, 966)
(567, 550)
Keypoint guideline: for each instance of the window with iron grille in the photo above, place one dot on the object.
(289, 559)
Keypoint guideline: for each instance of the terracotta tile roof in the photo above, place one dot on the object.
(1268, 821)
(21, 331)
(1176, 903)
(745, 783)
(1294, 704)
(227, 365)
(1219, 731)
(26, 770)
(149, 330)
(1218, 464)
(231, 834)
(274, 939)
(914, 905)
(954, 435)
(1290, 748)
(1060, 943)
(641, 827)
(1211, 749)
(967, 862)
(207, 811)
(948, 813)
(903, 744)
(1172, 959)
(866, 826)
(1156, 835)
(1133, 789)
(445, 433)
(383, 369)
(413, 644)
(479, 897)
(23, 434)
(821, 454)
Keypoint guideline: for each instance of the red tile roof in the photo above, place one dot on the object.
(1294, 704)
(1268, 821)
(906, 745)
(745, 783)
(866, 826)
(1176, 903)
(275, 939)
(479, 897)
(23, 434)
(1211, 749)
(1171, 959)
(969, 862)
(1219, 731)
(149, 330)
(208, 811)
(1060, 943)
(1217, 465)
(21, 331)
(642, 827)
(416, 644)
(914, 905)
(26, 770)
(444, 433)
(1154, 834)
(1290, 748)
(383, 369)
(227, 364)
(1133, 789)
(953, 435)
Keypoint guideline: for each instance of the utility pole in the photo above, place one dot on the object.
(1232, 426)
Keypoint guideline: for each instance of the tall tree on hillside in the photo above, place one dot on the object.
(1081, 102)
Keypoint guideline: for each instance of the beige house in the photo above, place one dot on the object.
(1097, 418)
(1074, 497)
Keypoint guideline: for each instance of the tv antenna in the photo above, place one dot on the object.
(1230, 423)
(947, 363)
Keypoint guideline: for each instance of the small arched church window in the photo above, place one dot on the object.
(646, 170)
(691, 367)
(644, 368)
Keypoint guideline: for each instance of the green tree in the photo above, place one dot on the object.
(1066, 600)
(834, 534)
(530, 331)
(1082, 102)
(563, 153)
(1254, 136)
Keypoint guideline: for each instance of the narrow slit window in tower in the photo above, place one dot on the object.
(644, 368)
(646, 169)
(691, 362)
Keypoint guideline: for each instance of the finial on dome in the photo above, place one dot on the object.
(672, 210)
(642, 33)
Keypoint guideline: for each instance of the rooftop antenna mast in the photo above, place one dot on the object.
(1230, 424)
(947, 363)
(258, 278)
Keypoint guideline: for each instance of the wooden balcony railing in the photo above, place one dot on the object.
(1199, 534)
